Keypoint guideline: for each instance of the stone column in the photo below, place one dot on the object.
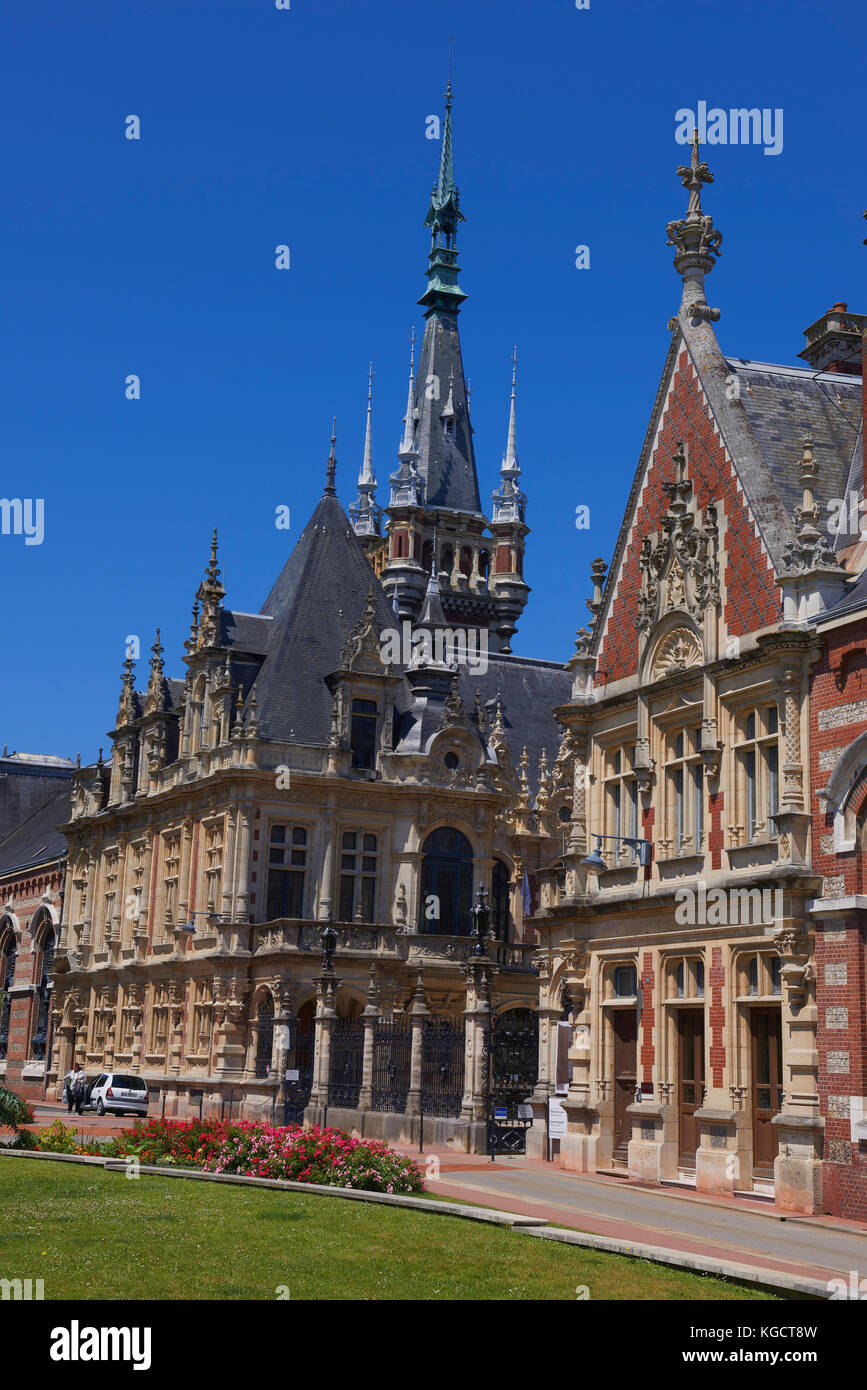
(478, 974)
(176, 1018)
(418, 1012)
(186, 854)
(370, 1018)
(327, 985)
(228, 875)
(242, 875)
(325, 882)
(135, 1003)
(798, 1165)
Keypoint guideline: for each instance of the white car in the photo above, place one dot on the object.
(114, 1092)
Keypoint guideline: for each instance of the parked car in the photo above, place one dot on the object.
(116, 1093)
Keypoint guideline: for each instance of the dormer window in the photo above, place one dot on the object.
(363, 735)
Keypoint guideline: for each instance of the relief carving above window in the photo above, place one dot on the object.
(678, 650)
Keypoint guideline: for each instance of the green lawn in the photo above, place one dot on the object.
(91, 1234)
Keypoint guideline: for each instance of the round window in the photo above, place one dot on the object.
(565, 813)
(451, 760)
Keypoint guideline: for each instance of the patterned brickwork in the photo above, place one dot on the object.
(841, 954)
(717, 1016)
(752, 597)
(647, 1020)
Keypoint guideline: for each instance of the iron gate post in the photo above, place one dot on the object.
(326, 995)
(369, 1018)
(418, 1012)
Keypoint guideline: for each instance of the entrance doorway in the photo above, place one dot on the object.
(625, 1023)
(690, 1081)
(767, 1061)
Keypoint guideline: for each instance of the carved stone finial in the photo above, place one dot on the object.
(697, 242)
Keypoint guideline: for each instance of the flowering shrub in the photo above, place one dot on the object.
(63, 1139)
(326, 1156)
(316, 1155)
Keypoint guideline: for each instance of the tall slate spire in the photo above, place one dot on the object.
(444, 436)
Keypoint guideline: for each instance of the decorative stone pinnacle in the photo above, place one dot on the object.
(598, 569)
(697, 242)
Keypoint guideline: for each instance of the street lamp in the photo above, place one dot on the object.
(643, 849)
(329, 946)
(213, 919)
(481, 918)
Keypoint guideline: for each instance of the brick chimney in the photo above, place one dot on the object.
(834, 342)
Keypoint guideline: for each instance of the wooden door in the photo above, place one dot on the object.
(767, 1049)
(625, 1076)
(690, 1080)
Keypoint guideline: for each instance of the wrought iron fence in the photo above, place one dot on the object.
(347, 1053)
(442, 1067)
(392, 1049)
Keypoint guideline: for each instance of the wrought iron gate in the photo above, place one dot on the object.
(296, 1094)
(347, 1053)
(265, 1043)
(392, 1049)
(512, 1061)
(442, 1067)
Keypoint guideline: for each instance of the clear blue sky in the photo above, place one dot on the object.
(307, 127)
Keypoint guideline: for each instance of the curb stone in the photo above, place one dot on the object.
(701, 1264)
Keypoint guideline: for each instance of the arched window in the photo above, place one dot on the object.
(446, 883)
(39, 1044)
(265, 1038)
(8, 953)
(501, 917)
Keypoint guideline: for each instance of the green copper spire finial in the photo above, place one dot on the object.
(443, 216)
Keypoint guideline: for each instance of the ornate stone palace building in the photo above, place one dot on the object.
(295, 777)
(269, 890)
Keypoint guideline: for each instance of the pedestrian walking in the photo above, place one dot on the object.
(74, 1084)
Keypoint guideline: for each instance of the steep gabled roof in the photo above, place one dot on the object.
(318, 597)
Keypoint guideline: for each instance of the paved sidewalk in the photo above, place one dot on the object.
(746, 1231)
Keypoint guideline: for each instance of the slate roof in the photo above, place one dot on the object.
(528, 690)
(781, 404)
(317, 599)
(319, 596)
(27, 782)
(245, 632)
(446, 462)
(37, 841)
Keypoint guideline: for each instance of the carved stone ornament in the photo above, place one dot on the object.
(678, 650)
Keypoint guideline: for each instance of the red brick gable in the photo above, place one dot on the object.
(753, 599)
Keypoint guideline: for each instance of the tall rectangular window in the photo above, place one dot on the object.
(363, 734)
(287, 865)
(357, 876)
